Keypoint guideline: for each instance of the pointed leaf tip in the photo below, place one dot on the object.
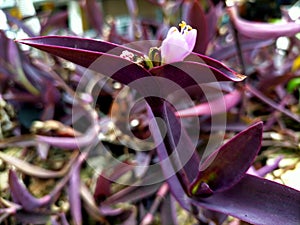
(226, 166)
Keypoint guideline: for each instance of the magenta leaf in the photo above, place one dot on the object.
(212, 107)
(257, 30)
(227, 165)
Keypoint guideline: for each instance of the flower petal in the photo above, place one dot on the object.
(190, 38)
(174, 48)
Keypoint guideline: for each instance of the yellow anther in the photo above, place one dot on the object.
(182, 25)
(184, 28)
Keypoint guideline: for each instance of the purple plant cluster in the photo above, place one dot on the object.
(143, 125)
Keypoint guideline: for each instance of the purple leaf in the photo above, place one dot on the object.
(20, 24)
(187, 73)
(258, 30)
(256, 201)
(177, 150)
(74, 190)
(57, 20)
(85, 52)
(4, 43)
(33, 170)
(56, 45)
(102, 189)
(269, 168)
(142, 160)
(173, 179)
(94, 14)
(221, 67)
(21, 195)
(227, 165)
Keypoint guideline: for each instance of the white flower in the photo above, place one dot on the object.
(178, 45)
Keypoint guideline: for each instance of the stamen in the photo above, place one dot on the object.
(184, 28)
(182, 25)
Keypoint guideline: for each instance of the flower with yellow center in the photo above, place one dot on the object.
(178, 44)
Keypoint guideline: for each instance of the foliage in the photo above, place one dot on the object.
(114, 129)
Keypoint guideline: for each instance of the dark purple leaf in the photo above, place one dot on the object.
(66, 46)
(257, 201)
(177, 150)
(187, 74)
(227, 165)
(102, 189)
(174, 181)
(217, 65)
(85, 52)
(193, 14)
